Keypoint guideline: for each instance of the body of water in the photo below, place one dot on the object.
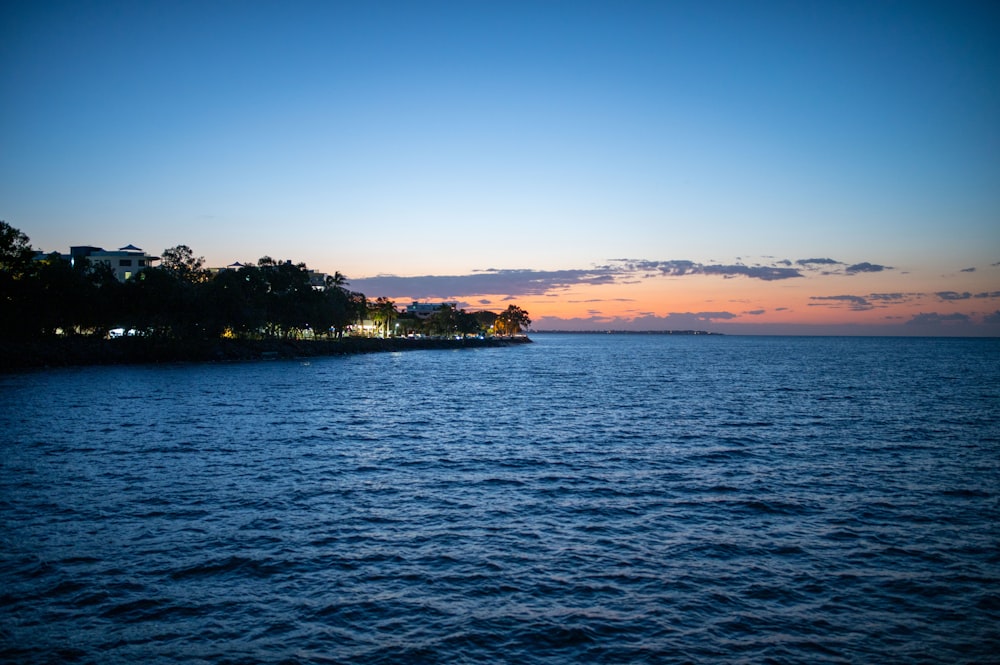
(586, 498)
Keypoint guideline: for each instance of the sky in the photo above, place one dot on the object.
(742, 167)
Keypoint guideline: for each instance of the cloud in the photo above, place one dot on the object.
(818, 262)
(672, 321)
(990, 294)
(855, 303)
(590, 300)
(832, 266)
(895, 298)
(513, 283)
(675, 268)
(935, 319)
(492, 281)
(709, 316)
(678, 268)
(867, 302)
(992, 318)
(865, 267)
(766, 273)
(755, 312)
(953, 295)
(967, 270)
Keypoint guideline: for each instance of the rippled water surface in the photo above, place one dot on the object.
(582, 499)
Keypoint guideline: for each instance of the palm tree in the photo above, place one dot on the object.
(384, 312)
(336, 281)
(358, 307)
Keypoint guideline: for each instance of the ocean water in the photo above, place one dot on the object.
(586, 498)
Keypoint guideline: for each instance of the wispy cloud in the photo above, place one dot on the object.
(865, 267)
(593, 300)
(860, 303)
(935, 319)
(856, 303)
(818, 262)
(680, 268)
(766, 273)
(894, 298)
(953, 295)
(672, 321)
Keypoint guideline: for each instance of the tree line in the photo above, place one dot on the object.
(181, 299)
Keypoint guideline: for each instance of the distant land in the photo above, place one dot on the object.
(626, 332)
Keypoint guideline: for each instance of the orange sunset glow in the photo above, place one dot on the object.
(747, 299)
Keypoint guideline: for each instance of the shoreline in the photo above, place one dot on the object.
(74, 352)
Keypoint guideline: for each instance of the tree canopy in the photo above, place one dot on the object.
(181, 299)
(512, 320)
(15, 251)
(182, 262)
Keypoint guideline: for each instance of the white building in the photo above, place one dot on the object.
(125, 262)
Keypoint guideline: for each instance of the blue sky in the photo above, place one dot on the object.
(448, 139)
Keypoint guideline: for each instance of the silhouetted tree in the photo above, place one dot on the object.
(409, 323)
(444, 321)
(18, 306)
(383, 312)
(357, 307)
(467, 323)
(292, 303)
(512, 320)
(180, 299)
(338, 304)
(486, 319)
(16, 253)
(158, 303)
(65, 297)
(184, 265)
(336, 280)
(238, 301)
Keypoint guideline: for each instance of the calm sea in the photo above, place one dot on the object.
(587, 498)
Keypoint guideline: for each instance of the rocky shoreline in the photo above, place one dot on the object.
(65, 352)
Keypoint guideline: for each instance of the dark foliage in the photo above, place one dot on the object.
(46, 297)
